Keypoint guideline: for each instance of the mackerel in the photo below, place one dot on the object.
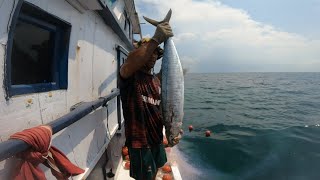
(172, 88)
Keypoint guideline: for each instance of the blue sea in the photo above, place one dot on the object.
(264, 126)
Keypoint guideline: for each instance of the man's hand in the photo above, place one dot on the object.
(163, 32)
(174, 141)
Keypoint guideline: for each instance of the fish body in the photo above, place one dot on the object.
(172, 88)
(172, 92)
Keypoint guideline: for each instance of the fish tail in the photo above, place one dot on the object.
(155, 23)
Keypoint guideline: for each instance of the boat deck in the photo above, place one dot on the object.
(123, 174)
(112, 159)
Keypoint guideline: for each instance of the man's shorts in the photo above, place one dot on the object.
(144, 162)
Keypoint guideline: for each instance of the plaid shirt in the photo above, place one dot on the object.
(140, 96)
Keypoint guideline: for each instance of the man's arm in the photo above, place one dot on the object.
(138, 58)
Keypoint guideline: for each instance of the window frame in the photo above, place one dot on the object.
(60, 29)
(125, 20)
(127, 24)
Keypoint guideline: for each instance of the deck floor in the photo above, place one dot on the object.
(112, 159)
(123, 174)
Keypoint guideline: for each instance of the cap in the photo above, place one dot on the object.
(158, 49)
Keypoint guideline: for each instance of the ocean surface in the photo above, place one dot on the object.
(264, 126)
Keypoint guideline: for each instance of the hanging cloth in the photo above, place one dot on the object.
(41, 151)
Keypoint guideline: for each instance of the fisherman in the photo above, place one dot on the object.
(140, 94)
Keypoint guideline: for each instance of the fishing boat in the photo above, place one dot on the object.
(59, 64)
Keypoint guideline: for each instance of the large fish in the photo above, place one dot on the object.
(172, 88)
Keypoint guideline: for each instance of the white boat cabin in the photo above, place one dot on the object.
(55, 54)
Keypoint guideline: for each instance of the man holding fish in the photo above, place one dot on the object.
(142, 105)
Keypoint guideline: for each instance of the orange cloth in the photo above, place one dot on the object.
(39, 139)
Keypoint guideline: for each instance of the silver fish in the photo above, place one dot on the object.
(172, 88)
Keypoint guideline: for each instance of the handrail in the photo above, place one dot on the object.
(122, 49)
(11, 147)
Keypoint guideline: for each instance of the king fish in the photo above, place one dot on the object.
(172, 88)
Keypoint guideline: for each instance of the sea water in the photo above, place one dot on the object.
(264, 126)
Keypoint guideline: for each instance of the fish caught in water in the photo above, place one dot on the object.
(172, 88)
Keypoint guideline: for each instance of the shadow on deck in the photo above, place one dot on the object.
(110, 158)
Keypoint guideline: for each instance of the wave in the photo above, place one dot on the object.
(264, 125)
(253, 153)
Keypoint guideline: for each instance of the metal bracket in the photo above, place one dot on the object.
(76, 105)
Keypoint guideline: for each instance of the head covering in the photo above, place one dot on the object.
(158, 49)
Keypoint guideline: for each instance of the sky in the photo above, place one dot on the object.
(241, 35)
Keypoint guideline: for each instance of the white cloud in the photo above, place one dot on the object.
(216, 35)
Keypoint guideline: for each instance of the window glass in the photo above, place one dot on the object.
(32, 54)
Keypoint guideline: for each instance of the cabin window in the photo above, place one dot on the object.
(38, 48)
(129, 29)
(125, 20)
(121, 55)
(127, 26)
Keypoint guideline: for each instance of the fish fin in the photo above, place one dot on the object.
(155, 23)
(151, 21)
(168, 16)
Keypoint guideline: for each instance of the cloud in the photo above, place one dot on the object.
(216, 37)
